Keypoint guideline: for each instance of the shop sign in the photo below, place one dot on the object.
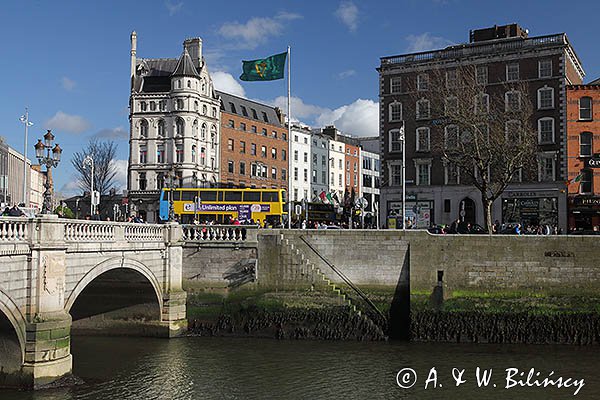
(587, 201)
(517, 195)
(594, 162)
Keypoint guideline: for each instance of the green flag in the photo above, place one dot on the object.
(267, 69)
(329, 198)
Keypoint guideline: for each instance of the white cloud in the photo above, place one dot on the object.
(360, 118)
(69, 123)
(300, 110)
(114, 134)
(120, 181)
(256, 30)
(347, 12)
(225, 82)
(72, 187)
(67, 84)
(425, 42)
(173, 8)
(346, 74)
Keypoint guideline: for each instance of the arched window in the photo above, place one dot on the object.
(196, 105)
(161, 129)
(179, 127)
(585, 108)
(204, 109)
(203, 156)
(395, 111)
(203, 132)
(179, 104)
(152, 106)
(179, 84)
(143, 129)
(545, 98)
(143, 106)
(194, 153)
(213, 136)
(195, 128)
(585, 144)
(189, 83)
(203, 86)
(214, 112)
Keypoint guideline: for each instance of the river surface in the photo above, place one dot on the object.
(240, 368)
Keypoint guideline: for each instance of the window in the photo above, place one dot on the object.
(340, 164)
(305, 157)
(143, 155)
(512, 72)
(242, 168)
(254, 115)
(545, 68)
(512, 101)
(179, 153)
(274, 153)
(513, 131)
(295, 173)
(423, 170)
(203, 155)
(194, 153)
(163, 105)
(253, 149)
(585, 144)
(142, 181)
(295, 155)
(196, 105)
(263, 151)
(547, 164)
(253, 128)
(451, 78)
(545, 130)
(422, 139)
(323, 177)
(242, 147)
(143, 106)
(305, 175)
(585, 184)
(451, 137)
(274, 135)
(230, 144)
(283, 175)
(243, 126)
(395, 84)
(189, 83)
(283, 154)
(195, 128)
(203, 131)
(314, 176)
(232, 107)
(395, 140)
(347, 165)
(340, 181)
(230, 167)
(481, 74)
(396, 174)
(284, 136)
(264, 116)
(585, 108)
(179, 127)
(273, 173)
(264, 131)
(253, 170)
(451, 174)
(144, 129)
(323, 161)
(482, 103)
(545, 97)
(160, 154)
(451, 105)
(179, 104)
(204, 109)
(152, 106)
(422, 82)
(231, 123)
(160, 180)
(213, 135)
(395, 111)
(423, 111)
(214, 112)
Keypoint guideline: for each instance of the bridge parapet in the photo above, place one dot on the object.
(219, 233)
(14, 229)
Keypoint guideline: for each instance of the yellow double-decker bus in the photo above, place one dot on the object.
(221, 205)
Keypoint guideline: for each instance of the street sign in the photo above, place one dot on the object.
(298, 209)
(361, 202)
(96, 198)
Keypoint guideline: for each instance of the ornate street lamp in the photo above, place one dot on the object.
(25, 120)
(88, 160)
(50, 157)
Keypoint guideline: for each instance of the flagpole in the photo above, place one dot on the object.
(289, 113)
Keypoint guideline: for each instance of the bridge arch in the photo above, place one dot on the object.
(14, 316)
(114, 264)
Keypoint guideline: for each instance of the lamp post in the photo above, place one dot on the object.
(403, 138)
(50, 159)
(88, 160)
(25, 120)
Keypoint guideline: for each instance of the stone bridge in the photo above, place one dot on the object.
(54, 272)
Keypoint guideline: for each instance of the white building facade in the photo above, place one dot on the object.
(174, 126)
(337, 172)
(300, 164)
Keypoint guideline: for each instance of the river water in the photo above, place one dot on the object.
(240, 368)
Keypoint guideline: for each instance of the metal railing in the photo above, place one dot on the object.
(348, 282)
(216, 233)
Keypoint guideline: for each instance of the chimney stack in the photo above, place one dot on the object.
(194, 49)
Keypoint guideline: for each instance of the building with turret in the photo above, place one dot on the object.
(174, 116)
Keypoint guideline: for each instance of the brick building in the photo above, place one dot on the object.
(583, 150)
(497, 56)
(254, 144)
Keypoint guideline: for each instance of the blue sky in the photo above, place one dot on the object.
(68, 61)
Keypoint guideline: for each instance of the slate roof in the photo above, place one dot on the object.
(253, 110)
(185, 66)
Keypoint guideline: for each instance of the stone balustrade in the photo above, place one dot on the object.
(78, 231)
(219, 233)
(14, 229)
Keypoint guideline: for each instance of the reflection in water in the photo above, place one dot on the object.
(226, 368)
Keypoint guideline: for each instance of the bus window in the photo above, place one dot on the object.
(188, 195)
(220, 195)
(252, 197)
(176, 195)
(270, 197)
(208, 195)
(233, 195)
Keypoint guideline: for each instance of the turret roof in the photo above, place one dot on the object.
(185, 66)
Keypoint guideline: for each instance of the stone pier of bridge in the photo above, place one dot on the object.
(46, 263)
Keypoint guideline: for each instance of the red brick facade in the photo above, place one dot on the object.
(352, 168)
(583, 142)
(253, 153)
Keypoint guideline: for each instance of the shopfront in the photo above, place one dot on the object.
(418, 213)
(530, 209)
(584, 213)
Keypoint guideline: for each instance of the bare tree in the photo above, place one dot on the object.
(488, 136)
(103, 154)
